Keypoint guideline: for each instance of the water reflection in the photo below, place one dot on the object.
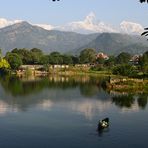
(142, 100)
(130, 101)
(84, 95)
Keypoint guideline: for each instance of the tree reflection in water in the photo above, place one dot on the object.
(22, 90)
(123, 100)
(142, 101)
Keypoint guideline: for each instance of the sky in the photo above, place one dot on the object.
(64, 11)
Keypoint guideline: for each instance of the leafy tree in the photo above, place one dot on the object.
(55, 58)
(25, 55)
(36, 50)
(124, 70)
(123, 58)
(144, 62)
(67, 59)
(44, 60)
(0, 54)
(100, 60)
(36, 55)
(110, 62)
(15, 50)
(75, 59)
(14, 60)
(87, 56)
(4, 64)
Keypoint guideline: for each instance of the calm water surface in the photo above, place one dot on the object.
(63, 112)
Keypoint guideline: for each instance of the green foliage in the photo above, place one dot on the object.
(55, 58)
(87, 56)
(110, 62)
(144, 62)
(75, 59)
(0, 54)
(4, 66)
(124, 70)
(123, 58)
(100, 60)
(36, 55)
(14, 60)
(67, 59)
(44, 60)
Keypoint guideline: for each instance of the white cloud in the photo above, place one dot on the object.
(89, 25)
(131, 28)
(4, 22)
(45, 26)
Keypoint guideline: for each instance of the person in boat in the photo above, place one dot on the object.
(103, 123)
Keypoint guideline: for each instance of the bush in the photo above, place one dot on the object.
(124, 70)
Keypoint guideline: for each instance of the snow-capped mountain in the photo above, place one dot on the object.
(131, 28)
(89, 25)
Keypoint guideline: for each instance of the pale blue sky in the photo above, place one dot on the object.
(64, 11)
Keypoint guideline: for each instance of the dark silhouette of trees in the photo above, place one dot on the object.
(145, 33)
(141, 1)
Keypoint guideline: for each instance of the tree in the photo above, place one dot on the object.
(36, 55)
(87, 56)
(25, 55)
(124, 70)
(141, 1)
(67, 59)
(100, 60)
(75, 59)
(44, 60)
(0, 54)
(143, 62)
(14, 60)
(4, 64)
(123, 58)
(55, 58)
(110, 62)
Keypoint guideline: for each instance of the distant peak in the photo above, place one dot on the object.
(23, 23)
(90, 18)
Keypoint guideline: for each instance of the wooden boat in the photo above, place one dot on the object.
(104, 123)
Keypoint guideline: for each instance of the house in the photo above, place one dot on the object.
(135, 59)
(102, 55)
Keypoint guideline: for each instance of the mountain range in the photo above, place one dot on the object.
(90, 24)
(25, 35)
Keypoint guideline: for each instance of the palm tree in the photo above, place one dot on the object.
(146, 29)
(145, 33)
(141, 1)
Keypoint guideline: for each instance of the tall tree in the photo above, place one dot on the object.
(87, 56)
(14, 60)
(123, 58)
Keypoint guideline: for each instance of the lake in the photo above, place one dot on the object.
(63, 112)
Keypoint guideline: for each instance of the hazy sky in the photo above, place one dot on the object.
(64, 11)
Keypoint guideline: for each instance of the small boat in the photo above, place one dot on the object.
(104, 123)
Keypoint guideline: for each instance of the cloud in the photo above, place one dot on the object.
(45, 26)
(4, 22)
(131, 28)
(89, 25)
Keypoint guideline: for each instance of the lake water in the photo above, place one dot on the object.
(63, 112)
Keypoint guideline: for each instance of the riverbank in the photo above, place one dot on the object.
(112, 83)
